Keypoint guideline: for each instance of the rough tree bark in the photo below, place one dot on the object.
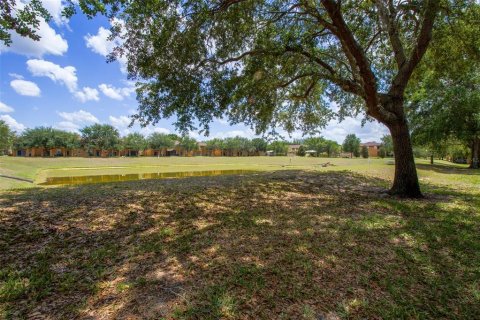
(405, 183)
(387, 107)
(474, 163)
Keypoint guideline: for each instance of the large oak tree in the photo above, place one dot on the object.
(276, 63)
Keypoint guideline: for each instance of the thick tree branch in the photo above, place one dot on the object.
(312, 58)
(307, 92)
(425, 35)
(224, 5)
(351, 47)
(300, 76)
(314, 13)
(387, 20)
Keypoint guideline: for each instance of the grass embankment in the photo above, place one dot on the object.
(282, 245)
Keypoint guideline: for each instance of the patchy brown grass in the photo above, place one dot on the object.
(283, 245)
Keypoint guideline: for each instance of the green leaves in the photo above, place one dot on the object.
(100, 136)
(47, 137)
(7, 137)
(352, 144)
(322, 145)
(188, 143)
(445, 94)
(22, 18)
(160, 140)
(134, 141)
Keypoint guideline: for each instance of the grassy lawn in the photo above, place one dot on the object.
(300, 242)
(38, 169)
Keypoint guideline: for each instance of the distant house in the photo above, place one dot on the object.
(293, 149)
(372, 147)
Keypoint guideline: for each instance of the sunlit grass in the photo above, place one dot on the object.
(38, 169)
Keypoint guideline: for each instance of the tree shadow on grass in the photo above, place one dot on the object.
(283, 245)
(446, 169)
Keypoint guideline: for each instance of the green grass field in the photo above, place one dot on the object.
(38, 169)
(293, 241)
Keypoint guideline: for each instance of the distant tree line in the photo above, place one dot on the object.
(97, 137)
(106, 137)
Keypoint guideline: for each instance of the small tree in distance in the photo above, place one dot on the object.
(381, 152)
(100, 136)
(188, 143)
(365, 152)
(6, 138)
(301, 151)
(352, 144)
(387, 144)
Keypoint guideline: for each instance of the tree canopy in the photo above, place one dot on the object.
(134, 141)
(276, 63)
(21, 17)
(188, 143)
(278, 147)
(321, 145)
(159, 141)
(387, 144)
(47, 138)
(273, 64)
(100, 136)
(351, 144)
(445, 100)
(6, 138)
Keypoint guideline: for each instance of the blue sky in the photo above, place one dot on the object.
(64, 81)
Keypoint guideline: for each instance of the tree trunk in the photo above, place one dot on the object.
(474, 164)
(405, 183)
(431, 158)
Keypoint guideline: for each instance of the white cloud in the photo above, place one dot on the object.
(149, 130)
(371, 131)
(50, 43)
(4, 108)
(102, 45)
(66, 75)
(87, 94)
(120, 122)
(68, 126)
(25, 88)
(79, 117)
(55, 8)
(73, 121)
(116, 93)
(99, 43)
(222, 121)
(245, 133)
(12, 123)
(15, 75)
